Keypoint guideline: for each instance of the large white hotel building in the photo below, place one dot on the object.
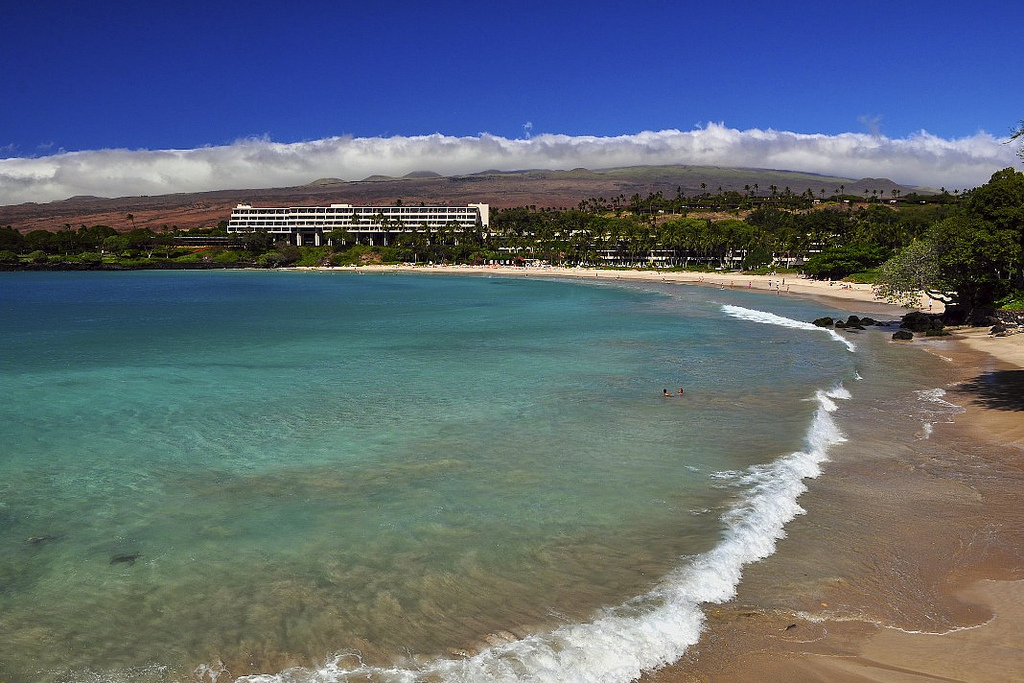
(307, 225)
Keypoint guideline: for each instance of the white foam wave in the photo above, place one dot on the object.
(861, 619)
(937, 396)
(650, 630)
(936, 410)
(766, 318)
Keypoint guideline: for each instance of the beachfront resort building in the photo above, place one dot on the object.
(375, 225)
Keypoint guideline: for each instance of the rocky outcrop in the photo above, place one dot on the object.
(1009, 322)
(1011, 318)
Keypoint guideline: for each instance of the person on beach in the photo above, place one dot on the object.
(680, 392)
(664, 392)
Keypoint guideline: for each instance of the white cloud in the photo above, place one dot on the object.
(920, 159)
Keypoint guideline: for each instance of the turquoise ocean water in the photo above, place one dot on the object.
(330, 476)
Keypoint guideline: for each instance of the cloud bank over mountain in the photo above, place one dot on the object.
(920, 159)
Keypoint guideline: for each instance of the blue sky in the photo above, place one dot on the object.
(201, 95)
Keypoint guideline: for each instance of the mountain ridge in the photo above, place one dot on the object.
(500, 189)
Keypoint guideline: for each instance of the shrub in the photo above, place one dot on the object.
(227, 256)
(359, 254)
(1014, 302)
(91, 258)
(313, 256)
(194, 257)
(271, 259)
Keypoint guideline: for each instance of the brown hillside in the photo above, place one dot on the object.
(559, 189)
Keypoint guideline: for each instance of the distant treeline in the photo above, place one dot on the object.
(711, 231)
(752, 197)
(835, 237)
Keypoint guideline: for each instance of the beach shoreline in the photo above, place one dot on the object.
(967, 557)
(860, 297)
(983, 591)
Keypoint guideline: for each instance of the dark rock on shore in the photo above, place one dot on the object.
(930, 325)
(854, 322)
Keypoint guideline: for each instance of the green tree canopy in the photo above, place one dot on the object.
(971, 259)
(837, 262)
(914, 269)
(11, 239)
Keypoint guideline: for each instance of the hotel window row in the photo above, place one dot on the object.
(309, 223)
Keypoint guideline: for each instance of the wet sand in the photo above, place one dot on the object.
(933, 590)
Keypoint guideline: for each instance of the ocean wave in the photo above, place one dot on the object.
(767, 318)
(650, 630)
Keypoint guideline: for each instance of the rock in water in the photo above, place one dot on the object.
(39, 540)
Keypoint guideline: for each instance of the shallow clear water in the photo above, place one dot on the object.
(251, 471)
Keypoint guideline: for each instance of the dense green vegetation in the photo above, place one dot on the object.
(973, 258)
(967, 249)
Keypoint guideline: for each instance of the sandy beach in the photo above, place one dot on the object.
(860, 294)
(942, 537)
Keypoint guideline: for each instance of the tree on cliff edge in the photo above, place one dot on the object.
(971, 259)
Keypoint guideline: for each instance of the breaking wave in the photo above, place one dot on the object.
(766, 318)
(650, 630)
